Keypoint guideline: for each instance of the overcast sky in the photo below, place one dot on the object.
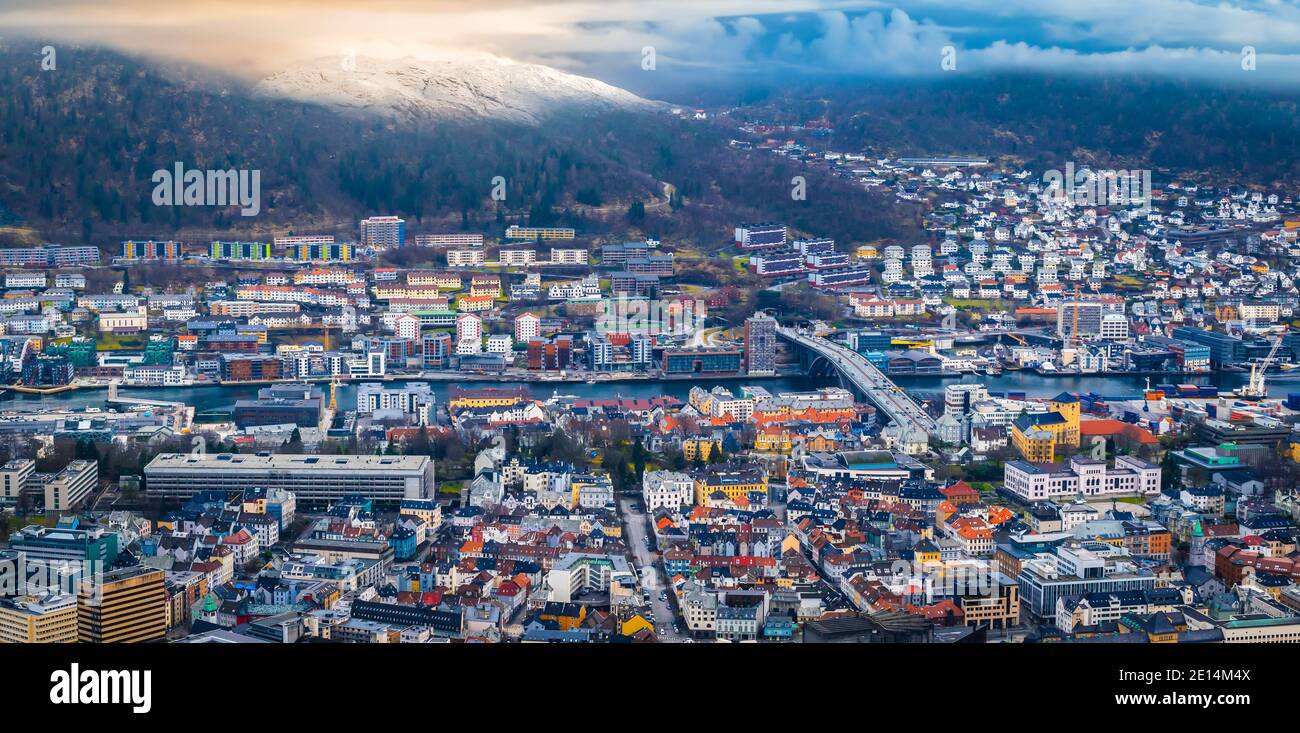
(701, 41)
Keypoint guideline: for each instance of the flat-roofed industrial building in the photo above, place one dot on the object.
(312, 478)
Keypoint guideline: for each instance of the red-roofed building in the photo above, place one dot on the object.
(960, 493)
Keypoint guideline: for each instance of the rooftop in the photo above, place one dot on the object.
(288, 462)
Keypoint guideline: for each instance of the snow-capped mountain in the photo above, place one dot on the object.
(475, 87)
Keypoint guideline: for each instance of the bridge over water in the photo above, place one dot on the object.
(860, 376)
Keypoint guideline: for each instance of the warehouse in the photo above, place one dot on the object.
(311, 478)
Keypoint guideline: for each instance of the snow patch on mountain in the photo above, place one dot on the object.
(463, 88)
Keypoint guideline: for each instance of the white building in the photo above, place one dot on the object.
(465, 257)
(71, 486)
(499, 343)
(517, 257)
(406, 326)
(667, 489)
(569, 256)
(413, 399)
(373, 364)
(25, 280)
(469, 327)
(383, 232)
(527, 327)
(157, 374)
(575, 574)
(16, 478)
(312, 478)
(1088, 476)
(1114, 327)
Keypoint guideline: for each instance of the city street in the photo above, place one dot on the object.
(643, 557)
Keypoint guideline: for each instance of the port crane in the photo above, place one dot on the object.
(1255, 387)
(334, 393)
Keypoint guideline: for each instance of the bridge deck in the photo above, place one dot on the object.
(879, 389)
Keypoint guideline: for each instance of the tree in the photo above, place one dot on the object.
(717, 455)
(560, 446)
(636, 213)
(674, 459)
(295, 443)
(638, 459)
(419, 445)
(615, 461)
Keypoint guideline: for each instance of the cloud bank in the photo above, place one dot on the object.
(1256, 41)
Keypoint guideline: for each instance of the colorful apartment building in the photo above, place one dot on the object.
(1037, 436)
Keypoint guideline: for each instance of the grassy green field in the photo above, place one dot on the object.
(15, 523)
(115, 341)
(977, 304)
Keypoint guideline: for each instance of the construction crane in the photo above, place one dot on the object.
(1255, 388)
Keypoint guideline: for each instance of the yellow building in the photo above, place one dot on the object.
(635, 623)
(427, 511)
(699, 447)
(790, 544)
(486, 397)
(1035, 446)
(50, 619)
(820, 442)
(1037, 436)
(474, 303)
(1160, 628)
(581, 481)
(489, 286)
(772, 440)
(998, 610)
(734, 484)
(517, 232)
(568, 616)
(127, 605)
(926, 554)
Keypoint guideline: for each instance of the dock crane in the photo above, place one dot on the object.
(1255, 388)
